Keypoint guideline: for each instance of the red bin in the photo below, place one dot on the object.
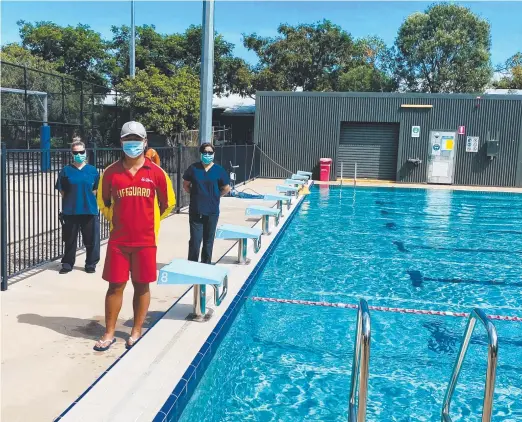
(325, 164)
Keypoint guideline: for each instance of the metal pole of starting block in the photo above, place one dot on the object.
(200, 299)
(242, 251)
(266, 225)
(280, 207)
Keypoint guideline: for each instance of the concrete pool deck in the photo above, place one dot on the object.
(50, 321)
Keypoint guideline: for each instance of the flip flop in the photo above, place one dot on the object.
(134, 341)
(105, 348)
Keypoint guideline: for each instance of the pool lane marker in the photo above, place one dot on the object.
(381, 308)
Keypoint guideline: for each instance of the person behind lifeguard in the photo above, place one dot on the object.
(77, 183)
(206, 182)
(134, 194)
(152, 154)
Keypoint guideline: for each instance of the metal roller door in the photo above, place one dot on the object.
(373, 146)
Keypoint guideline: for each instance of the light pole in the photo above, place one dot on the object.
(207, 73)
(132, 50)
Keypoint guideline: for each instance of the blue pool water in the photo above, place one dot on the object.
(424, 249)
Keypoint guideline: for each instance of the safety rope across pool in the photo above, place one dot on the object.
(381, 308)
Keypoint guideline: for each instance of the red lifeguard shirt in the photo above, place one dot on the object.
(134, 205)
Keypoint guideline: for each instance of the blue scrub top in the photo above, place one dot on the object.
(78, 186)
(205, 192)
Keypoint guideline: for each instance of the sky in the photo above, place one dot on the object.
(233, 18)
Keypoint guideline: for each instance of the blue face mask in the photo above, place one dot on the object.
(133, 149)
(80, 158)
(207, 158)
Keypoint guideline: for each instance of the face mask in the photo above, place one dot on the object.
(80, 158)
(133, 149)
(207, 159)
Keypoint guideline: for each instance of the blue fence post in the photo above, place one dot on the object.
(3, 216)
(45, 147)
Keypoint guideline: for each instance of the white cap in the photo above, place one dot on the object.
(133, 128)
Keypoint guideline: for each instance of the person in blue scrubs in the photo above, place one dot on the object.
(206, 182)
(77, 184)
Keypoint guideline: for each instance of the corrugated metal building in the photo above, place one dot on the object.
(413, 138)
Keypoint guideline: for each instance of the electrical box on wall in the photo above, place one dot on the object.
(492, 147)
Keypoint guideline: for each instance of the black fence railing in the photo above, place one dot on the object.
(31, 231)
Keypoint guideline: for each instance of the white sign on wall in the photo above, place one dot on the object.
(415, 131)
(472, 144)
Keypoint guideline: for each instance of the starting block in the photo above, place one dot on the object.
(305, 173)
(265, 213)
(181, 271)
(281, 199)
(299, 177)
(241, 233)
(294, 182)
(289, 190)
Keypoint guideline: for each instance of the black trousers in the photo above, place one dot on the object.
(89, 226)
(202, 229)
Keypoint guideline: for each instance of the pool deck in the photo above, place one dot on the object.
(50, 321)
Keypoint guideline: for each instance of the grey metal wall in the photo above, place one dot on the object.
(296, 129)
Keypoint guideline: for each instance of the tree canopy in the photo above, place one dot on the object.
(444, 49)
(165, 104)
(314, 57)
(511, 73)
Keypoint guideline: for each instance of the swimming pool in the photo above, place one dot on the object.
(409, 248)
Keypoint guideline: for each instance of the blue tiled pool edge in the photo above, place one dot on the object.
(175, 404)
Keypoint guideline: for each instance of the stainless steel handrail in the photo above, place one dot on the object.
(491, 370)
(360, 366)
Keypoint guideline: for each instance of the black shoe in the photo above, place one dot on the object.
(65, 271)
(90, 270)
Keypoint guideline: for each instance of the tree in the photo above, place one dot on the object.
(308, 56)
(511, 73)
(170, 52)
(77, 51)
(444, 49)
(165, 104)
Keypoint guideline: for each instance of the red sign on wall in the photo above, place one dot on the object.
(462, 130)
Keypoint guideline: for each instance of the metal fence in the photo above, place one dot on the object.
(71, 107)
(31, 231)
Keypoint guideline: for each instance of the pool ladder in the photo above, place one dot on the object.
(487, 408)
(360, 365)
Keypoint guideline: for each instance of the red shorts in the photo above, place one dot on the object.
(139, 261)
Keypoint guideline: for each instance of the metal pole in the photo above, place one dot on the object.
(26, 108)
(132, 49)
(178, 178)
(3, 216)
(207, 70)
(81, 110)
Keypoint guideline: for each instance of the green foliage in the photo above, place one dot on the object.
(164, 104)
(312, 57)
(512, 73)
(77, 51)
(444, 49)
(170, 52)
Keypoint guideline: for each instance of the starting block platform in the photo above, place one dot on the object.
(281, 199)
(181, 271)
(241, 233)
(265, 213)
(294, 182)
(305, 173)
(287, 189)
(299, 177)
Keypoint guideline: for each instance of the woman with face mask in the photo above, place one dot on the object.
(206, 182)
(77, 184)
